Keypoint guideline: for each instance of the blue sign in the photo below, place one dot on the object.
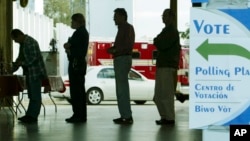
(219, 67)
(199, 1)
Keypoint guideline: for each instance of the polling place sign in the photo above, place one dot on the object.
(219, 67)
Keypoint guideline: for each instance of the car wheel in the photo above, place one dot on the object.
(94, 96)
(139, 102)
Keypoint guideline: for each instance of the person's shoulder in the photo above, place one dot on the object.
(128, 24)
(82, 29)
(170, 28)
(28, 38)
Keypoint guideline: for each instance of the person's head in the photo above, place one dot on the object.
(77, 20)
(168, 17)
(17, 35)
(120, 16)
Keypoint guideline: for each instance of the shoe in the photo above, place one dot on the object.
(69, 100)
(75, 120)
(27, 119)
(123, 120)
(165, 122)
(21, 118)
(180, 97)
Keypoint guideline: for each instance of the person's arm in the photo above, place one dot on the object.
(67, 47)
(124, 40)
(18, 62)
(79, 44)
(165, 40)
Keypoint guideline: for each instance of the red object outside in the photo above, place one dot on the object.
(144, 58)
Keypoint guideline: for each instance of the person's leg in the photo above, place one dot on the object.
(158, 94)
(122, 66)
(71, 88)
(34, 93)
(78, 96)
(169, 92)
(164, 95)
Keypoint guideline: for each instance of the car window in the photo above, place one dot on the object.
(106, 73)
(134, 76)
(110, 73)
(154, 54)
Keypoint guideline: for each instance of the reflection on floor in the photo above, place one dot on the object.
(99, 127)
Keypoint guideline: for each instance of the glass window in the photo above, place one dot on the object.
(134, 76)
(154, 54)
(106, 73)
(110, 73)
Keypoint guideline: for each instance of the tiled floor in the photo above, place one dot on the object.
(99, 127)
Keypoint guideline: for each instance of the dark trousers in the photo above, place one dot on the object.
(122, 66)
(77, 91)
(35, 97)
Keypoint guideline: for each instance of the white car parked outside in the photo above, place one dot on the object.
(100, 85)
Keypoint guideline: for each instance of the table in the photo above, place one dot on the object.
(14, 85)
(9, 86)
(52, 84)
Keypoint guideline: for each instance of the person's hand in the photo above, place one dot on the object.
(66, 46)
(111, 50)
(18, 63)
(14, 67)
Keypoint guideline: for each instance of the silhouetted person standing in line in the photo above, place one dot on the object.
(122, 51)
(76, 49)
(167, 62)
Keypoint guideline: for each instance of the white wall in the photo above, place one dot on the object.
(42, 29)
(148, 16)
(63, 32)
(38, 26)
(145, 15)
(100, 16)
